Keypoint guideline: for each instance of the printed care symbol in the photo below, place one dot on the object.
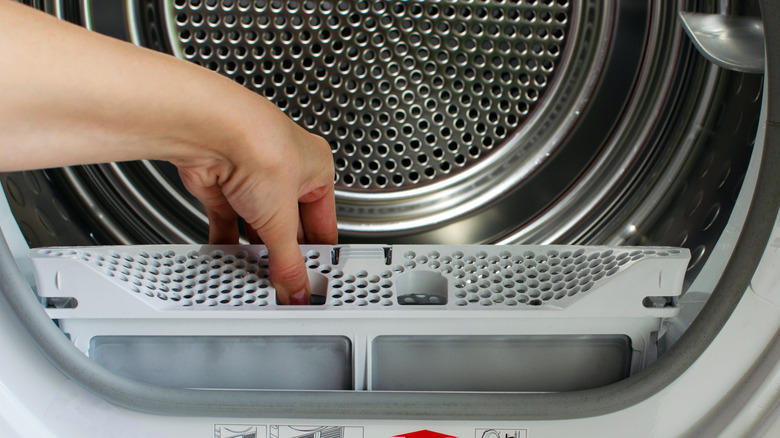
(425, 433)
(235, 431)
(502, 433)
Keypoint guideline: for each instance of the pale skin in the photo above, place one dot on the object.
(69, 96)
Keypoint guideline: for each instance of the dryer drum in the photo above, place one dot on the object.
(542, 121)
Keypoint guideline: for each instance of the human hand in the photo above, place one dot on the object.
(280, 181)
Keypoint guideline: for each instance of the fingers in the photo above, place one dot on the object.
(318, 201)
(300, 235)
(288, 272)
(223, 230)
(251, 234)
(286, 263)
(318, 218)
(317, 224)
(285, 193)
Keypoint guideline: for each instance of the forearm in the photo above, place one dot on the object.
(69, 96)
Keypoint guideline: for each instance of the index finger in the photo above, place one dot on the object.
(286, 263)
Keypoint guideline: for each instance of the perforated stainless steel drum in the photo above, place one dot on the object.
(432, 109)
(411, 95)
(450, 121)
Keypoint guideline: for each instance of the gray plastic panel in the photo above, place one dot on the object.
(498, 363)
(229, 362)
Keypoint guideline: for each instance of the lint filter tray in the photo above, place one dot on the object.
(383, 317)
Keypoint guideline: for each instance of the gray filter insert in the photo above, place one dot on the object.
(498, 363)
(229, 362)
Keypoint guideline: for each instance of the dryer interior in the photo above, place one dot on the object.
(451, 123)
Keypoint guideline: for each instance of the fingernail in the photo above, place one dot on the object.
(300, 298)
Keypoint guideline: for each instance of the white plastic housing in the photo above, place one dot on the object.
(589, 315)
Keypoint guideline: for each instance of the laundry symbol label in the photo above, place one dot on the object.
(239, 431)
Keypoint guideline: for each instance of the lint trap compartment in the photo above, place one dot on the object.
(398, 318)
